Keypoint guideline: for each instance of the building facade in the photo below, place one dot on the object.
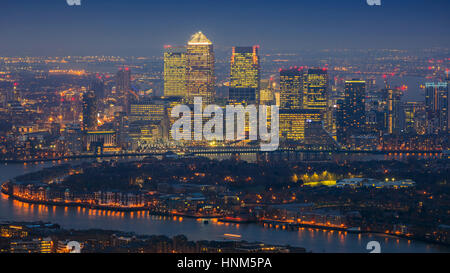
(352, 116)
(200, 77)
(294, 122)
(245, 75)
(89, 111)
(316, 89)
(123, 88)
(436, 104)
(391, 99)
(174, 71)
(291, 89)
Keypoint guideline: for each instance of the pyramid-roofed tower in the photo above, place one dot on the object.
(199, 39)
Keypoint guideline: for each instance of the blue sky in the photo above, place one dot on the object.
(135, 27)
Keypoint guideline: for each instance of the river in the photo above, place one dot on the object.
(314, 240)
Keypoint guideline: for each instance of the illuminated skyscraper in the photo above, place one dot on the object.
(123, 88)
(98, 87)
(291, 89)
(414, 117)
(316, 89)
(436, 106)
(89, 111)
(245, 75)
(200, 69)
(353, 117)
(174, 71)
(392, 110)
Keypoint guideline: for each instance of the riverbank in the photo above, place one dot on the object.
(220, 219)
(116, 241)
(437, 153)
(317, 240)
(107, 208)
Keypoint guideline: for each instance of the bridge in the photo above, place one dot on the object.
(198, 151)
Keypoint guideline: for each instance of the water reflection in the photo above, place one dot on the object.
(144, 223)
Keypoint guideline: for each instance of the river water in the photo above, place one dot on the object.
(142, 223)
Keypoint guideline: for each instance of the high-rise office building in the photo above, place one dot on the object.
(174, 71)
(391, 99)
(6, 90)
(375, 115)
(352, 119)
(150, 120)
(436, 106)
(245, 75)
(291, 89)
(121, 127)
(316, 89)
(98, 87)
(200, 79)
(89, 111)
(414, 113)
(147, 110)
(293, 123)
(123, 88)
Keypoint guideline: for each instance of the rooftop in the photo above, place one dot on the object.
(199, 39)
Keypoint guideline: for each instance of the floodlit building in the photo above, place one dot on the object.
(200, 77)
(293, 123)
(436, 106)
(291, 89)
(316, 89)
(245, 75)
(174, 71)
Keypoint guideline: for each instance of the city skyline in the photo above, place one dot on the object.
(224, 127)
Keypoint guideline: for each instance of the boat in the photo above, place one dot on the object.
(232, 236)
(354, 230)
(238, 220)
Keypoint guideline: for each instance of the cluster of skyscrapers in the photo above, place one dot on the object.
(303, 94)
(309, 112)
(189, 71)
